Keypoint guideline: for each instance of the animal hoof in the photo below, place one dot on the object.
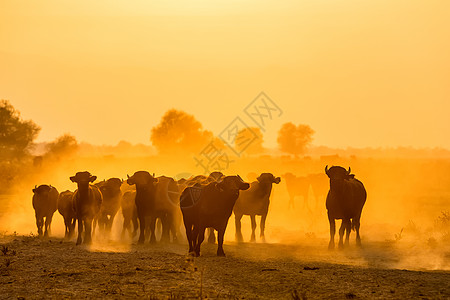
(330, 246)
(221, 254)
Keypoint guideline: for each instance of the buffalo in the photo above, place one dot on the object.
(145, 203)
(319, 185)
(87, 201)
(255, 201)
(112, 196)
(297, 186)
(202, 180)
(345, 200)
(167, 210)
(45, 203)
(129, 213)
(209, 206)
(65, 208)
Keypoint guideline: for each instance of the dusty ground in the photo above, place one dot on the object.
(54, 268)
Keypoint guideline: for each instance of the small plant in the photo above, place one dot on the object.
(350, 296)
(4, 250)
(398, 236)
(296, 296)
(7, 262)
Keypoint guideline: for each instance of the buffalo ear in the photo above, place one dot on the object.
(351, 176)
(73, 178)
(34, 190)
(277, 180)
(92, 179)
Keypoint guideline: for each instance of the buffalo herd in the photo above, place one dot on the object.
(150, 204)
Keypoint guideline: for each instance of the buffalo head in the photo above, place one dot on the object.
(141, 178)
(233, 183)
(268, 178)
(83, 178)
(337, 172)
(42, 189)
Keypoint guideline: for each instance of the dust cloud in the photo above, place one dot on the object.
(405, 223)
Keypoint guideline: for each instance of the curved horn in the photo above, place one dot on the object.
(128, 176)
(35, 186)
(153, 174)
(349, 170)
(326, 169)
(239, 177)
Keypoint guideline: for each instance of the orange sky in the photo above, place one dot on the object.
(360, 73)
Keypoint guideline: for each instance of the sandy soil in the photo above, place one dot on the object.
(54, 268)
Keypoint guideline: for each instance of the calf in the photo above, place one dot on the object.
(45, 203)
(255, 201)
(65, 208)
(129, 213)
(297, 186)
(112, 196)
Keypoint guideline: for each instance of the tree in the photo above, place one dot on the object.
(65, 145)
(249, 140)
(179, 132)
(16, 135)
(294, 139)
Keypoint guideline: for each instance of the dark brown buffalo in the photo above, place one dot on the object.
(145, 203)
(129, 213)
(202, 180)
(87, 201)
(297, 186)
(65, 208)
(45, 203)
(209, 206)
(255, 201)
(345, 201)
(112, 196)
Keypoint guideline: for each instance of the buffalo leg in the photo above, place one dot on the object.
(263, 227)
(87, 232)
(348, 228)
(332, 231)
(135, 222)
(152, 226)
(67, 223)
(200, 238)
(48, 224)
(111, 221)
(165, 232)
(126, 226)
(220, 234)
(356, 225)
(253, 221)
(142, 229)
(211, 236)
(291, 201)
(189, 235)
(341, 233)
(72, 224)
(80, 230)
(237, 221)
(39, 224)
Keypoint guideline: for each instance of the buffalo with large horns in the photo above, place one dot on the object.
(345, 201)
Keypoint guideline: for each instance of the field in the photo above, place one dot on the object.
(53, 268)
